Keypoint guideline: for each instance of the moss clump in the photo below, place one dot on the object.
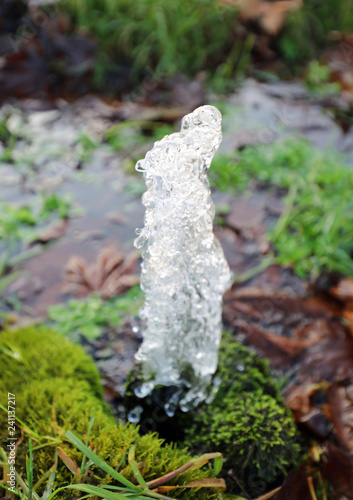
(247, 421)
(36, 353)
(58, 399)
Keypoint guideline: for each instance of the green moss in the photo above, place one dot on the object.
(36, 353)
(247, 422)
(56, 387)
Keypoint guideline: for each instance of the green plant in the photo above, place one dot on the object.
(54, 203)
(8, 138)
(317, 79)
(313, 233)
(85, 147)
(125, 136)
(145, 36)
(306, 31)
(58, 399)
(88, 317)
(19, 222)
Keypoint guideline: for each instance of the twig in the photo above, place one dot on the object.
(232, 476)
(270, 494)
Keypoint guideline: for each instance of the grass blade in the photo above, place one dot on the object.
(92, 490)
(84, 458)
(99, 462)
(135, 469)
(29, 470)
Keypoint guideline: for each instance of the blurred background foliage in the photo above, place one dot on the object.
(113, 44)
(183, 36)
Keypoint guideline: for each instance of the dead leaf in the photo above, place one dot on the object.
(343, 290)
(207, 483)
(338, 471)
(246, 213)
(110, 275)
(198, 483)
(331, 360)
(117, 218)
(340, 399)
(69, 462)
(295, 486)
(270, 15)
(54, 231)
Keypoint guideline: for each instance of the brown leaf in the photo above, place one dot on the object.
(69, 462)
(110, 275)
(295, 486)
(207, 483)
(53, 231)
(343, 290)
(339, 472)
(340, 399)
(331, 360)
(198, 483)
(270, 15)
(246, 213)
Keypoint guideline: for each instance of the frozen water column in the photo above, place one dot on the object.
(184, 271)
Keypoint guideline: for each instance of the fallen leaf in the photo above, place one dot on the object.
(110, 275)
(338, 471)
(270, 15)
(198, 483)
(117, 218)
(295, 486)
(246, 213)
(343, 290)
(207, 483)
(340, 399)
(69, 462)
(54, 231)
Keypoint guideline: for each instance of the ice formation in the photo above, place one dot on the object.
(184, 271)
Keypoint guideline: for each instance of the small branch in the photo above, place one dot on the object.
(235, 479)
(270, 494)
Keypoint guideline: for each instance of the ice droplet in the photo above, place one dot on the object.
(134, 415)
(144, 389)
(184, 271)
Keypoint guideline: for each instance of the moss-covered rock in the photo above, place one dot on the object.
(247, 421)
(56, 385)
(36, 353)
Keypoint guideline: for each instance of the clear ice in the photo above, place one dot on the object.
(184, 271)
